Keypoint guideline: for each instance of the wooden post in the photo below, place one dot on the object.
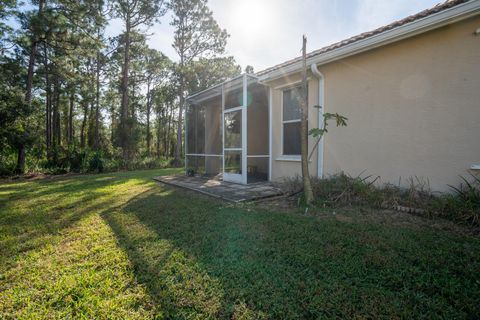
(307, 185)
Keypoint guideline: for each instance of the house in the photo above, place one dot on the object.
(410, 90)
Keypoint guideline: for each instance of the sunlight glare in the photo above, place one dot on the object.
(251, 16)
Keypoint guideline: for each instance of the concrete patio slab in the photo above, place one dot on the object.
(221, 189)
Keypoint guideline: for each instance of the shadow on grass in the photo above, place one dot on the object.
(31, 212)
(199, 257)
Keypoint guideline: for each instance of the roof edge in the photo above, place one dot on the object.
(434, 21)
(197, 93)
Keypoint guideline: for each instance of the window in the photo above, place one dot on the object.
(291, 121)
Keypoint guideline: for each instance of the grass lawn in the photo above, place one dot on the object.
(121, 246)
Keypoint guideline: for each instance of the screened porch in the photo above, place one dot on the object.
(227, 131)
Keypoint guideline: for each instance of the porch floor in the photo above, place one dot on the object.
(218, 188)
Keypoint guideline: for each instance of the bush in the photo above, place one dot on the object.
(71, 159)
(57, 162)
(8, 162)
(149, 162)
(95, 164)
(112, 165)
(464, 204)
(343, 190)
(77, 160)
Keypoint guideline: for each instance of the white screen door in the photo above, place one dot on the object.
(234, 145)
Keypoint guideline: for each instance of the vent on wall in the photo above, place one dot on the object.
(475, 166)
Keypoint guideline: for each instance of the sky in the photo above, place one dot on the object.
(264, 33)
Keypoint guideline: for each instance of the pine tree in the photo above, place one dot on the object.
(134, 14)
(197, 35)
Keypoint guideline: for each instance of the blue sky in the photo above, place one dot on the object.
(266, 32)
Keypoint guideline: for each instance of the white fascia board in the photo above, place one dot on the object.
(434, 21)
(192, 96)
(203, 91)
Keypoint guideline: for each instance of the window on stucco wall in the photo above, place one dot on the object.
(291, 119)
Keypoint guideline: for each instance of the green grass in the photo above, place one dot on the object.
(121, 246)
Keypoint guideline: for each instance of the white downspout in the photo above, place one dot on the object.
(321, 103)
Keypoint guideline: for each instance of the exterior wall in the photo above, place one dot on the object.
(413, 109)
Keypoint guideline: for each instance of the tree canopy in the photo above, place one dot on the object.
(74, 97)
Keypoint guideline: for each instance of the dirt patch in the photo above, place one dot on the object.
(407, 220)
(281, 203)
(365, 214)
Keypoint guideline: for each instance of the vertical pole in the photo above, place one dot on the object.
(321, 103)
(269, 134)
(307, 186)
(186, 136)
(222, 121)
(244, 130)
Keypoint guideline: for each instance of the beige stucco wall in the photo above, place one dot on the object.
(413, 109)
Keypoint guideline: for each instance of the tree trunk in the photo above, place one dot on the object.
(178, 146)
(70, 119)
(20, 167)
(96, 143)
(133, 115)
(84, 124)
(91, 126)
(124, 87)
(112, 123)
(48, 103)
(31, 66)
(168, 138)
(56, 113)
(162, 128)
(307, 185)
(158, 134)
(149, 138)
(31, 60)
(58, 126)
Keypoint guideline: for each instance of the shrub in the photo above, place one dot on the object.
(57, 162)
(111, 165)
(464, 204)
(152, 162)
(63, 160)
(95, 164)
(8, 162)
(77, 160)
(343, 190)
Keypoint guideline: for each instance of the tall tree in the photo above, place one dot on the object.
(163, 101)
(34, 39)
(204, 73)
(8, 8)
(100, 60)
(249, 69)
(156, 70)
(35, 32)
(196, 35)
(14, 111)
(134, 14)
